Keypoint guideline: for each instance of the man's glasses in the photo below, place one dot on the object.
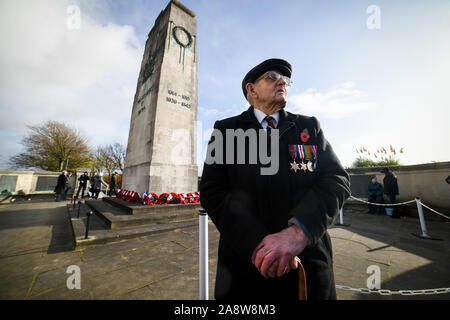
(275, 76)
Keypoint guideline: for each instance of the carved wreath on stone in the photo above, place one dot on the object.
(182, 36)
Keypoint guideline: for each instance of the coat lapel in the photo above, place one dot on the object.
(248, 120)
(287, 120)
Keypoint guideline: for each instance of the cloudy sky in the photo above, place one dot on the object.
(373, 72)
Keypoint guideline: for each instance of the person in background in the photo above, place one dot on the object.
(60, 185)
(391, 189)
(83, 179)
(96, 182)
(68, 185)
(112, 185)
(375, 195)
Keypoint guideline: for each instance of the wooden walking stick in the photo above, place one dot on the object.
(302, 290)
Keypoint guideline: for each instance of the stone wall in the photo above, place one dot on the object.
(27, 182)
(427, 181)
(30, 184)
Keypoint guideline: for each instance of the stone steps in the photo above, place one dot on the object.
(136, 208)
(111, 224)
(96, 237)
(115, 218)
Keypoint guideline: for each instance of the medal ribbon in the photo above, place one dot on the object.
(301, 153)
(308, 152)
(314, 149)
(292, 151)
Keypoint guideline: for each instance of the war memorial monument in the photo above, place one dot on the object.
(161, 151)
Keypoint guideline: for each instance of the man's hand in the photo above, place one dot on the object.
(276, 254)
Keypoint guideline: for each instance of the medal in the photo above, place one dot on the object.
(293, 153)
(307, 155)
(311, 166)
(294, 166)
(304, 167)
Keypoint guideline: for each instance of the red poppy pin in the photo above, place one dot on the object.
(304, 136)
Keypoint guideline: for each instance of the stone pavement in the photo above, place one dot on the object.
(36, 249)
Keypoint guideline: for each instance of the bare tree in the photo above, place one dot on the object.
(118, 152)
(109, 158)
(53, 146)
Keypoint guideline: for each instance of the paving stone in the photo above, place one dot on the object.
(48, 280)
(162, 251)
(104, 264)
(144, 293)
(183, 286)
(14, 287)
(9, 266)
(63, 293)
(101, 250)
(115, 284)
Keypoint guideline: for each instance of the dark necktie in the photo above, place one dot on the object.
(270, 124)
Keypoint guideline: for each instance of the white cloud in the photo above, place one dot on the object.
(341, 101)
(209, 112)
(85, 77)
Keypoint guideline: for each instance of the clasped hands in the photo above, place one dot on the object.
(276, 254)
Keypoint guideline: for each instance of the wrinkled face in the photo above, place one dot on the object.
(270, 88)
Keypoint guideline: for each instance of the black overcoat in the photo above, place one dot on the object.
(246, 206)
(60, 184)
(390, 184)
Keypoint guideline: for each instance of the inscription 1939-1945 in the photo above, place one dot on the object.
(179, 99)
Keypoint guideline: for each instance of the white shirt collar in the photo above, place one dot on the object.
(261, 116)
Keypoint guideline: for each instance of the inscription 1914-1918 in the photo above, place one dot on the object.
(179, 99)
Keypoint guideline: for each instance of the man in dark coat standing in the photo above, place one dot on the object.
(112, 185)
(61, 186)
(83, 180)
(69, 184)
(277, 207)
(390, 188)
(97, 182)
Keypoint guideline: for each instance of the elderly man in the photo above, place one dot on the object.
(266, 221)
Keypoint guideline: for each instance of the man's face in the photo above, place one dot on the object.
(269, 90)
(374, 180)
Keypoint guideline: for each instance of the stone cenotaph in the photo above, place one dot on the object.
(161, 151)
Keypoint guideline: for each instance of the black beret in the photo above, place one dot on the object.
(279, 65)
